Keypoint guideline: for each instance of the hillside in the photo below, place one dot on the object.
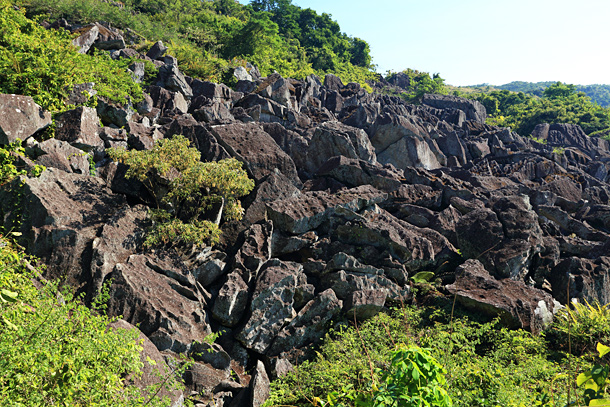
(286, 238)
(211, 38)
(599, 94)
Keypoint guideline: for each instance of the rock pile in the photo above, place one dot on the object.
(355, 192)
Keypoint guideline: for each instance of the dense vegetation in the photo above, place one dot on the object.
(43, 64)
(485, 364)
(599, 94)
(210, 37)
(560, 103)
(411, 85)
(56, 351)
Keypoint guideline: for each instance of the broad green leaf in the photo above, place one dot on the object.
(602, 349)
(9, 296)
(582, 378)
(600, 402)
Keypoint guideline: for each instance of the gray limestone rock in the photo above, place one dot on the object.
(20, 118)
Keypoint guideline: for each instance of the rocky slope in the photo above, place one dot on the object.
(355, 193)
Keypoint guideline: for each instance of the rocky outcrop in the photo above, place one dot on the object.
(354, 194)
(473, 109)
(517, 304)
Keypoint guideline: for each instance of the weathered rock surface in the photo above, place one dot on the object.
(261, 155)
(174, 316)
(310, 210)
(517, 304)
(473, 109)
(335, 139)
(20, 118)
(79, 127)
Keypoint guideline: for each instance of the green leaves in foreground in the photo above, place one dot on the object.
(595, 382)
(415, 378)
(57, 352)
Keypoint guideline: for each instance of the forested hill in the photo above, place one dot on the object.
(598, 93)
(210, 37)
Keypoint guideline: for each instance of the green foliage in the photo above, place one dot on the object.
(599, 94)
(45, 65)
(186, 189)
(169, 231)
(209, 38)
(415, 378)
(8, 169)
(57, 352)
(596, 381)
(420, 83)
(486, 365)
(585, 324)
(559, 103)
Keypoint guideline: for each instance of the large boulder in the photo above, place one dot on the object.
(310, 210)
(108, 38)
(20, 118)
(403, 141)
(332, 138)
(474, 110)
(154, 367)
(60, 215)
(415, 248)
(354, 172)
(54, 153)
(278, 89)
(308, 326)
(517, 305)
(174, 317)
(261, 155)
(569, 135)
(80, 127)
(172, 79)
(272, 304)
(86, 37)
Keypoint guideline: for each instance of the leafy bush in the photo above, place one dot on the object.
(57, 352)
(414, 378)
(45, 65)
(486, 365)
(559, 103)
(8, 169)
(184, 189)
(420, 83)
(210, 38)
(584, 325)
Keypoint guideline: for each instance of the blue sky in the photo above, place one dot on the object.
(482, 41)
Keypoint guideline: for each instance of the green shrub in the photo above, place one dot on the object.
(582, 325)
(486, 365)
(596, 381)
(185, 190)
(57, 352)
(45, 65)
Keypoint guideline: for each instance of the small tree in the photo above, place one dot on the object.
(190, 197)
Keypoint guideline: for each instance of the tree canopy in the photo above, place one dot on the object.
(560, 103)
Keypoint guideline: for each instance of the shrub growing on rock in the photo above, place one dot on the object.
(190, 197)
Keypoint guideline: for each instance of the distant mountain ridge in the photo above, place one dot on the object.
(598, 93)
